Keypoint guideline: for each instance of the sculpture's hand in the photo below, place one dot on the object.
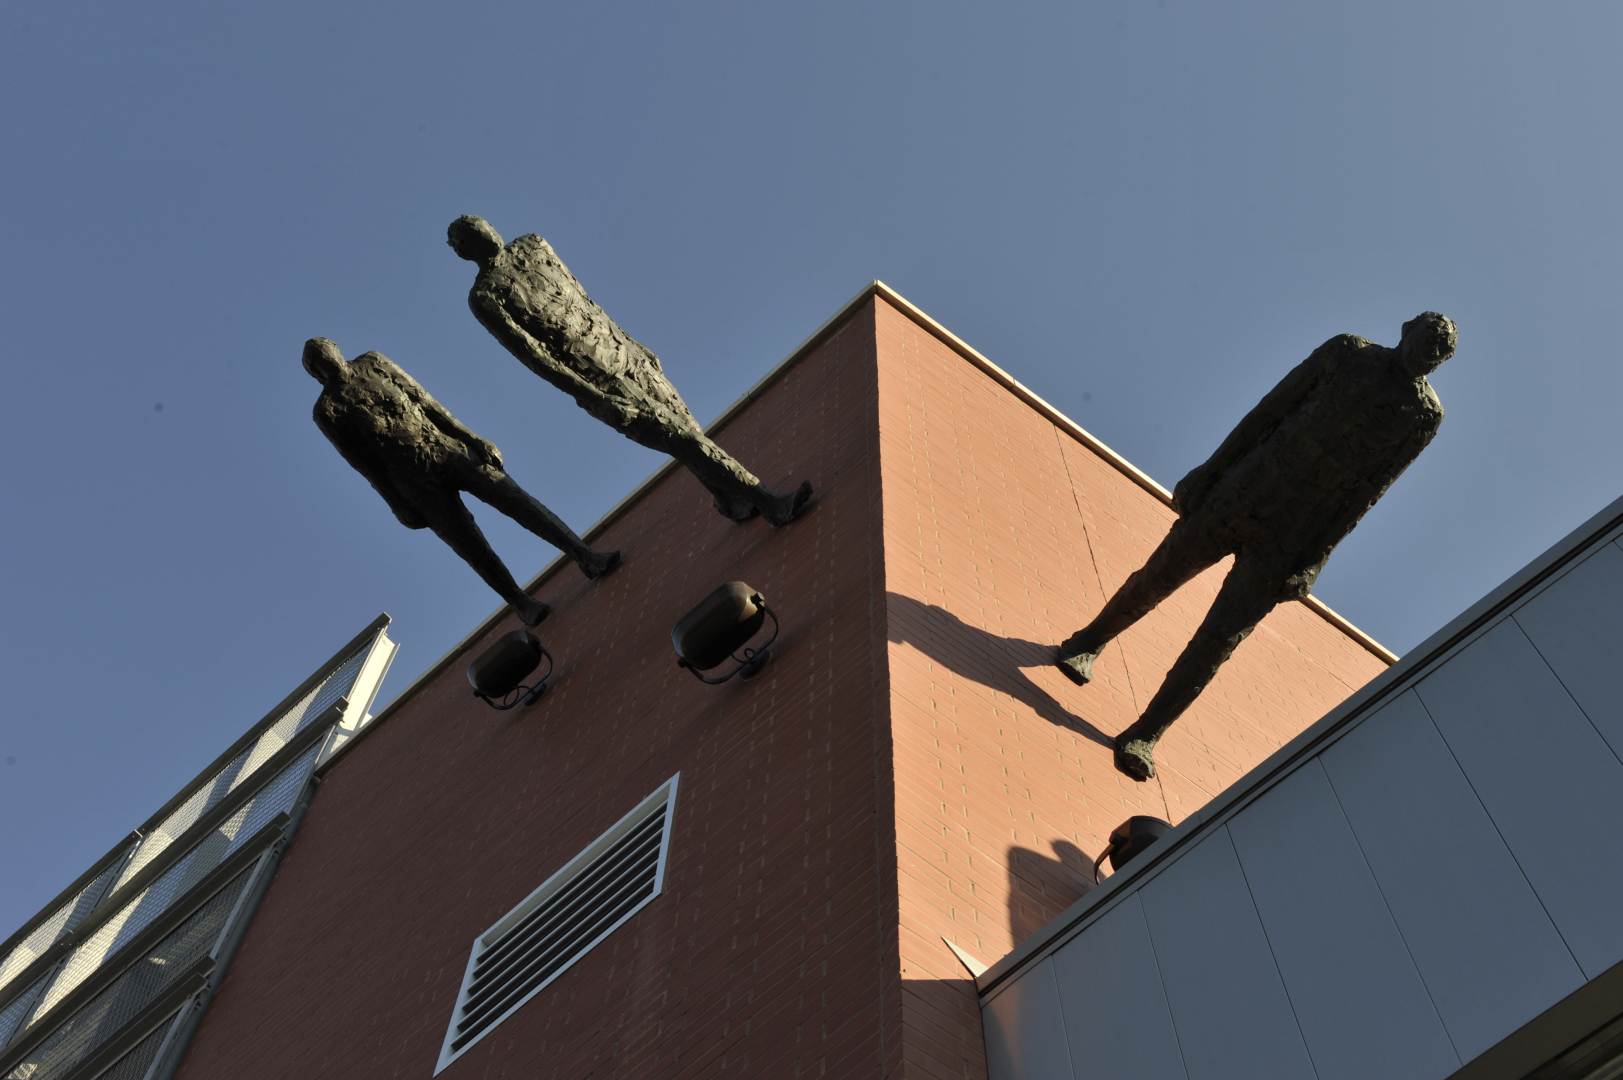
(1189, 492)
(406, 516)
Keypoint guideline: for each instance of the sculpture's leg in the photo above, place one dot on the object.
(495, 487)
(452, 523)
(738, 493)
(1249, 592)
(1181, 555)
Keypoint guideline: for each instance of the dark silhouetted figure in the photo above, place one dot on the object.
(420, 458)
(528, 299)
(1281, 491)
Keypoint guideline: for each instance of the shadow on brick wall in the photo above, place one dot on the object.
(943, 1036)
(990, 659)
(1042, 886)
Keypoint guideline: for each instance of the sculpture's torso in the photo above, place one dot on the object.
(530, 285)
(370, 414)
(1308, 482)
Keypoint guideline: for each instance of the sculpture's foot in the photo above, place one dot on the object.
(1078, 667)
(736, 509)
(1133, 757)
(785, 508)
(531, 611)
(598, 564)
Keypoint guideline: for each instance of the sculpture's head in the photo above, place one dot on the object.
(1428, 340)
(472, 238)
(323, 360)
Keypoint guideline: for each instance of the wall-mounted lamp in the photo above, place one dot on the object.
(721, 627)
(1128, 839)
(497, 677)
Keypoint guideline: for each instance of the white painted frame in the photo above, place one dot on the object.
(665, 793)
(364, 691)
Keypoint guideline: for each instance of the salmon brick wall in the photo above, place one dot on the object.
(1004, 534)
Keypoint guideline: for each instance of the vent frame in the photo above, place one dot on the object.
(495, 939)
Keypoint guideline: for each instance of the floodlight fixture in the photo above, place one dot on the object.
(1129, 838)
(721, 627)
(498, 675)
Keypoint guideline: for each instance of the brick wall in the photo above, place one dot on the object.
(907, 768)
(771, 952)
(1003, 534)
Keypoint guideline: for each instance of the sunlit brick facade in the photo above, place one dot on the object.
(907, 771)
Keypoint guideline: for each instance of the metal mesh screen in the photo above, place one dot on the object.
(136, 987)
(183, 817)
(134, 1065)
(242, 767)
(337, 685)
(277, 796)
(65, 918)
(306, 710)
(16, 1010)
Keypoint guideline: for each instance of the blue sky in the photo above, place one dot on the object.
(1146, 212)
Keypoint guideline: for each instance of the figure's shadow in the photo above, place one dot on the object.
(989, 659)
(1041, 887)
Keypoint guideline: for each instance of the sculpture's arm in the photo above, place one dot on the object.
(378, 478)
(522, 344)
(441, 417)
(1254, 427)
(1416, 440)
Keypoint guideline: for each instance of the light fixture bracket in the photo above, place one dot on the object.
(750, 660)
(722, 626)
(502, 675)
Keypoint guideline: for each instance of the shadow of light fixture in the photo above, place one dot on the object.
(1128, 839)
(721, 627)
(498, 675)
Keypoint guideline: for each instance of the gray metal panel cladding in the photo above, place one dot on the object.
(1468, 915)
(1577, 626)
(1345, 966)
(1234, 1021)
(1025, 1030)
(1549, 781)
(1432, 868)
(1116, 1012)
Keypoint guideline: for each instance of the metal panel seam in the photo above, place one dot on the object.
(1272, 955)
(1499, 832)
(1556, 675)
(1358, 843)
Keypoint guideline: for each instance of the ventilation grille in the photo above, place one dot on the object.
(577, 907)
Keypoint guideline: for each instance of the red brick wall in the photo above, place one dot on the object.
(1003, 534)
(908, 767)
(772, 951)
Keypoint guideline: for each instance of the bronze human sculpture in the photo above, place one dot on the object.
(1293, 478)
(420, 459)
(528, 299)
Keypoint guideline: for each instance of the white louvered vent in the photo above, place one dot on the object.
(574, 909)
